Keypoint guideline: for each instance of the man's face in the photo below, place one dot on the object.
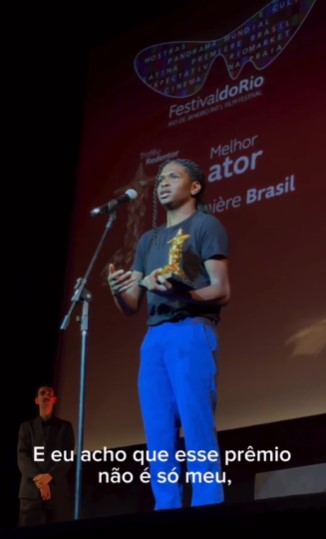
(175, 186)
(46, 398)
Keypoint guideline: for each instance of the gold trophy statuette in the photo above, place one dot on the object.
(173, 271)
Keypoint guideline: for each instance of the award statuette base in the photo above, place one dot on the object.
(181, 283)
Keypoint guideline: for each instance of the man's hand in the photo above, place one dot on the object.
(119, 280)
(45, 492)
(42, 480)
(154, 282)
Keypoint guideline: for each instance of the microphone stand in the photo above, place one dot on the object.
(83, 296)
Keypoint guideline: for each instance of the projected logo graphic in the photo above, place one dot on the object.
(180, 68)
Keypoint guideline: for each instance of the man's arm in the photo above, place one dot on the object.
(61, 468)
(25, 456)
(219, 290)
(216, 293)
(127, 293)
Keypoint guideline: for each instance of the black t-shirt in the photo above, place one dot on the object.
(208, 239)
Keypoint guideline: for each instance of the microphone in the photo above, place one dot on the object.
(110, 206)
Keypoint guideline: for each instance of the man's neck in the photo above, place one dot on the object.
(174, 217)
(46, 416)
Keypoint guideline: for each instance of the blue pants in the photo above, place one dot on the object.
(177, 386)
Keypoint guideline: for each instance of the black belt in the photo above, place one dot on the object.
(180, 317)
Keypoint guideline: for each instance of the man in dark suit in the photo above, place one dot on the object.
(44, 492)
